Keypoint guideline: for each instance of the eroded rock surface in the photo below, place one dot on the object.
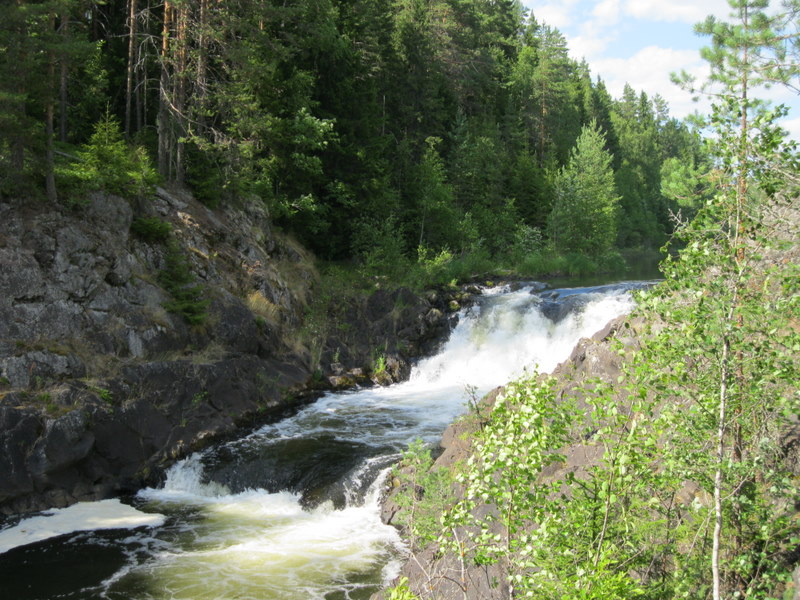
(102, 387)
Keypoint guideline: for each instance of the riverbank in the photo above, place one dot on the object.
(131, 336)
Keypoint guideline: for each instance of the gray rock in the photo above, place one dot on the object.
(104, 387)
(79, 297)
(64, 441)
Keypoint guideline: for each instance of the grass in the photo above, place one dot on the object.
(262, 307)
(104, 394)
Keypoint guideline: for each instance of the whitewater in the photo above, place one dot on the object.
(292, 509)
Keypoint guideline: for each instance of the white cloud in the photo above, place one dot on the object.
(607, 12)
(591, 38)
(793, 127)
(684, 11)
(588, 46)
(649, 71)
(555, 14)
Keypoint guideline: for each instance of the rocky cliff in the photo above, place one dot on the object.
(103, 382)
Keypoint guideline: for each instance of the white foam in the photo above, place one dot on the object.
(510, 334)
(184, 484)
(260, 544)
(84, 516)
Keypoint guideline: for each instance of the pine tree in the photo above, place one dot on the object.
(545, 88)
(584, 216)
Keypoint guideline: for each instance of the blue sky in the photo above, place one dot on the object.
(641, 42)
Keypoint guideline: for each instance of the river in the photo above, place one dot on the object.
(291, 509)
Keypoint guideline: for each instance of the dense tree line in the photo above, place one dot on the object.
(371, 128)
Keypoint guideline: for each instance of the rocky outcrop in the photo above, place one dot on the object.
(91, 442)
(102, 387)
(374, 338)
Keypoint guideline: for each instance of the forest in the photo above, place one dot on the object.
(385, 131)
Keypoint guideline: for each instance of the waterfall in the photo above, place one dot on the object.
(292, 509)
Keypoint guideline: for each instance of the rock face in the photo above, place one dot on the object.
(374, 338)
(101, 387)
(99, 384)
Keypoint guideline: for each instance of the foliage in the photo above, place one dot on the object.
(434, 269)
(521, 438)
(103, 393)
(379, 366)
(107, 163)
(401, 591)
(439, 123)
(584, 217)
(686, 184)
(527, 240)
(423, 494)
(187, 296)
(151, 229)
(435, 209)
(382, 247)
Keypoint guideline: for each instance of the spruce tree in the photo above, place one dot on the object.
(584, 216)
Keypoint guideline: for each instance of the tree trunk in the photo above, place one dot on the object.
(179, 77)
(163, 125)
(131, 65)
(64, 78)
(718, 479)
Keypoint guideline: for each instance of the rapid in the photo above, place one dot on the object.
(291, 510)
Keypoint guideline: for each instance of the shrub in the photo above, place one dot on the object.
(527, 240)
(187, 296)
(151, 229)
(434, 268)
(401, 591)
(108, 163)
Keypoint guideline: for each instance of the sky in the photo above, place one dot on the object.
(641, 42)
